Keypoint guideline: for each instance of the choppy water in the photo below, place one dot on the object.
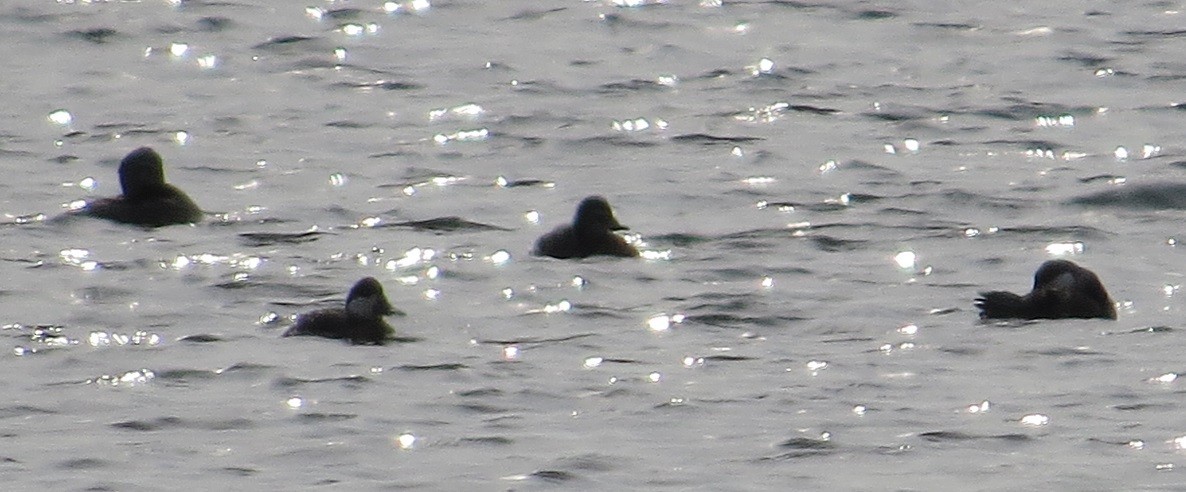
(821, 188)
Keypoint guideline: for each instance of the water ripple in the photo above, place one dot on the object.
(258, 239)
(447, 366)
(22, 411)
(386, 85)
(355, 381)
(443, 224)
(709, 140)
(171, 422)
(950, 436)
(317, 418)
(1155, 196)
(98, 35)
(284, 43)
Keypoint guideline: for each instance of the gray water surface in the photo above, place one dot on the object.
(819, 189)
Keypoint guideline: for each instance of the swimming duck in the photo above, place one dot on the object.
(360, 321)
(1062, 289)
(147, 200)
(591, 233)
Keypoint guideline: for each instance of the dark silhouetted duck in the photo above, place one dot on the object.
(591, 233)
(1062, 289)
(147, 200)
(361, 321)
